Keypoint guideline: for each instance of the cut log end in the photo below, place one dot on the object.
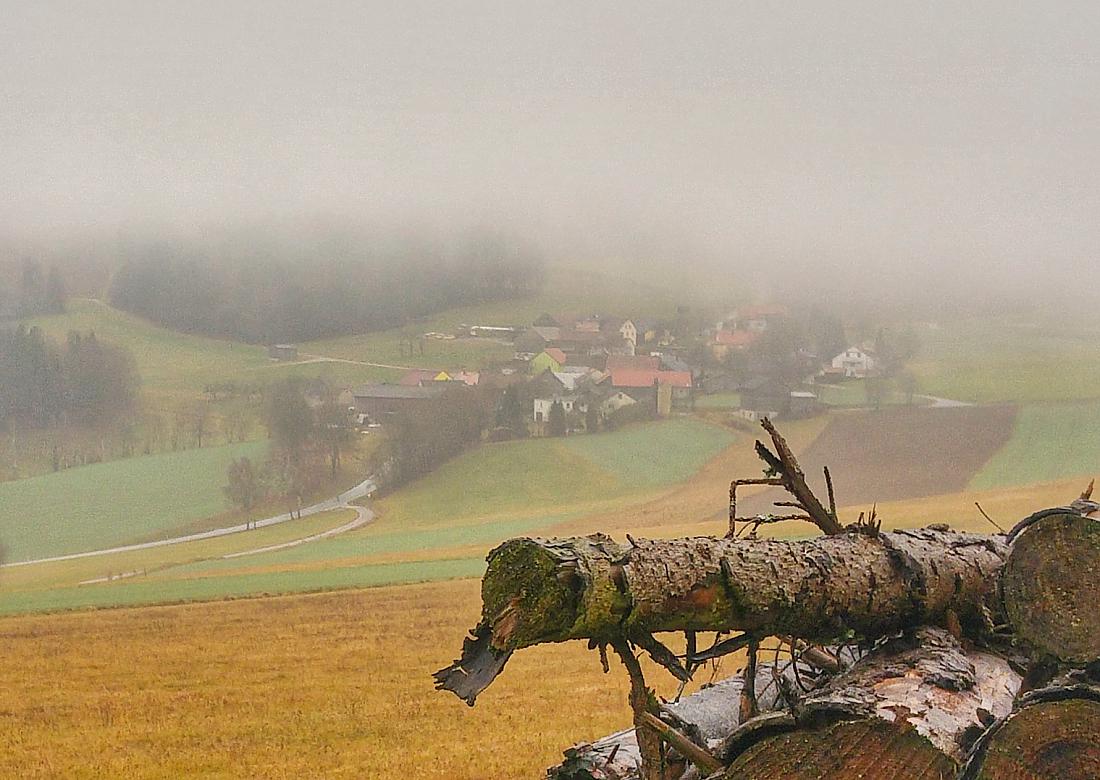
(1052, 739)
(863, 748)
(550, 590)
(1052, 586)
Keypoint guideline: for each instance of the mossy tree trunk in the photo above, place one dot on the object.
(857, 583)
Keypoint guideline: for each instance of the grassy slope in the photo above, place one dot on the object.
(167, 361)
(107, 504)
(854, 394)
(567, 291)
(439, 527)
(1050, 441)
(175, 366)
(719, 401)
(73, 572)
(988, 360)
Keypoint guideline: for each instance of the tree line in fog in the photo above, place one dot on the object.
(308, 293)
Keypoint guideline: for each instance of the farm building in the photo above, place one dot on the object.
(765, 398)
(551, 359)
(381, 401)
(725, 341)
(664, 389)
(541, 406)
(421, 376)
(759, 318)
(529, 343)
(282, 352)
(855, 362)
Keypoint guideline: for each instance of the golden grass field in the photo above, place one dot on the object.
(330, 685)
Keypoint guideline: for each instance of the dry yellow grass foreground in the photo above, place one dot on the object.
(331, 685)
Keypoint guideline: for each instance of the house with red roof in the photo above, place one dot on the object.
(420, 376)
(759, 317)
(664, 389)
(632, 363)
(725, 341)
(550, 359)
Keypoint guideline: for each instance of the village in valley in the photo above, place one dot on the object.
(574, 374)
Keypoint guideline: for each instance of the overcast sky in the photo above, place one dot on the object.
(870, 136)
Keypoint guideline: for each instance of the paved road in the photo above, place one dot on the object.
(349, 361)
(364, 488)
(944, 403)
(362, 517)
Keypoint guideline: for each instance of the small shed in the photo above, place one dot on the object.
(283, 352)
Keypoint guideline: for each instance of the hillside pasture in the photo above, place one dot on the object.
(853, 394)
(571, 291)
(169, 363)
(438, 527)
(148, 562)
(108, 504)
(176, 367)
(1049, 441)
(548, 475)
(1043, 357)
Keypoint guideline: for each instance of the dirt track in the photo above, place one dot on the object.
(899, 453)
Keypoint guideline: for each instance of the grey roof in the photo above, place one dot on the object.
(400, 391)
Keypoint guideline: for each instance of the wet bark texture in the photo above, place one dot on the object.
(927, 701)
(857, 583)
(708, 717)
(910, 709)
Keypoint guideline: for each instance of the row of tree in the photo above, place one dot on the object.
(83, 382)
(291, 295)
(307, 442)
(419, 442)
(36, 292)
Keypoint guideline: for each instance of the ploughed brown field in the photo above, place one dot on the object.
(898, 453)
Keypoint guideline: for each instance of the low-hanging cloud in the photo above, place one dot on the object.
(881, 145)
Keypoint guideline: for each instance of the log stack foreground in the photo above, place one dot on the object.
(907, 654)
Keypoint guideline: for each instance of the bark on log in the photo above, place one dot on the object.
(708, 716)
(1051, 585)
(1051, 733)
(910, 709)
(821, 589)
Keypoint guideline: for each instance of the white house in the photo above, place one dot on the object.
(855, 362)
(629, 331)
(615, 402)
(542, 406)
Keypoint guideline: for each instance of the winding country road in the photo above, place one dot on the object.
(342, 501)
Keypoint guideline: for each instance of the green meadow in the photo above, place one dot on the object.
(109, 504)
(1050, 441)
(989, 360)
(427, 530)
(177, 366)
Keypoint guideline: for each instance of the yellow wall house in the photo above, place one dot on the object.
(552, 359)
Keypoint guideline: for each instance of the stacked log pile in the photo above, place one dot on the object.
(926, 653)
